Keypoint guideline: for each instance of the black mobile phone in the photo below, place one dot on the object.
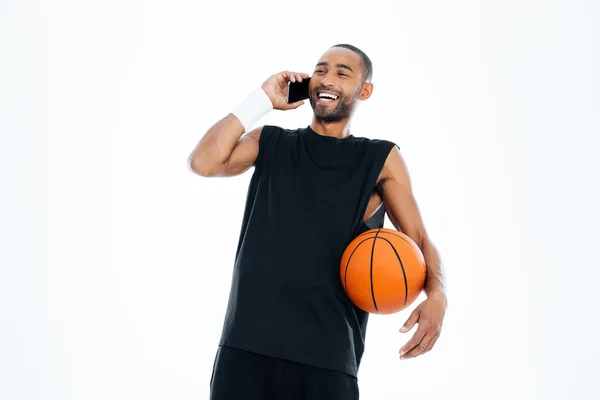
(298, 90)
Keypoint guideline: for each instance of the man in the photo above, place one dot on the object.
(290, 331)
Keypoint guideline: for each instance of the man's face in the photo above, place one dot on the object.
(339, 73)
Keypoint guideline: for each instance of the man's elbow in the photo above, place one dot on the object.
(198, 166)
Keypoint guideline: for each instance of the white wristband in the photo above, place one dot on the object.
(255, 106)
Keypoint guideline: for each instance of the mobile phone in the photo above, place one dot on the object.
(298, 90)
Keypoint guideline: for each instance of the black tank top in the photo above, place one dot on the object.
(306, 201)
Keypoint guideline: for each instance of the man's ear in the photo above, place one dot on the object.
(365, 91)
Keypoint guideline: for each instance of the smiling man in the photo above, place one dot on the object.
(290, 331)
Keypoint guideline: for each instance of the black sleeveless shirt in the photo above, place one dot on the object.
(306, 202)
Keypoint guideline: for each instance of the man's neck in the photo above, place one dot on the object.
(338, 130)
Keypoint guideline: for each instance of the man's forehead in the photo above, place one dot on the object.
(340, 56)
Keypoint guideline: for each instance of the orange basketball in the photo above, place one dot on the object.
(383, 271)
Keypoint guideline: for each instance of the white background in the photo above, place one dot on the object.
(116, 260)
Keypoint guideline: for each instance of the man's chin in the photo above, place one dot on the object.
(331, 116)
(324, 116)
(328, 118)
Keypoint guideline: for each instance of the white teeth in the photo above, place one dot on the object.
(328, 96)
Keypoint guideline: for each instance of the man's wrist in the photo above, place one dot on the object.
(438, 295)
(255, 106)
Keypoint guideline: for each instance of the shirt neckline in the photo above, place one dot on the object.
(323, 137)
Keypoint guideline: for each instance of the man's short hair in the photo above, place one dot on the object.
(367, 64)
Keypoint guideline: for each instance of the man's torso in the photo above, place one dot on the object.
(308, 198)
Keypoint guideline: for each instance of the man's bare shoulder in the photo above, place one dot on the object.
(254, 133)
(394, 168)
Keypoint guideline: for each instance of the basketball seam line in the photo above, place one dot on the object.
(401, 266)
(388, 232)
(371, 271)
(371, 266)
(348, 264)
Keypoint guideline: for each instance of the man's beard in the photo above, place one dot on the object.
(342, 111)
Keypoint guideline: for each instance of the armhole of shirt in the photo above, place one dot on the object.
(384, 148)
(389, 147)
(263, 143)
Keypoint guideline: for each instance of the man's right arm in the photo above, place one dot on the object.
(225, 150)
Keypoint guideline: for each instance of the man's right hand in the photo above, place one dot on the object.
(276, 87)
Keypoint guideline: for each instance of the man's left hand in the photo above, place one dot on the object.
(429, 315)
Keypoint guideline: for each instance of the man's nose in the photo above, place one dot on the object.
(327, 81)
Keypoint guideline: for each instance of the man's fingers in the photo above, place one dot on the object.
(414, 341)
(424, 346)
(295, 105)
(290, 76)
(411, 321)
(418, 349)
(431, 343)
(298, 76)
(286, 75)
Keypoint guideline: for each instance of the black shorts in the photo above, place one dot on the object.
(241, 375)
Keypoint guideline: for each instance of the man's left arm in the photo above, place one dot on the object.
(402, 210)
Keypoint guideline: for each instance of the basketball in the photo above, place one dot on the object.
(383, 271)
